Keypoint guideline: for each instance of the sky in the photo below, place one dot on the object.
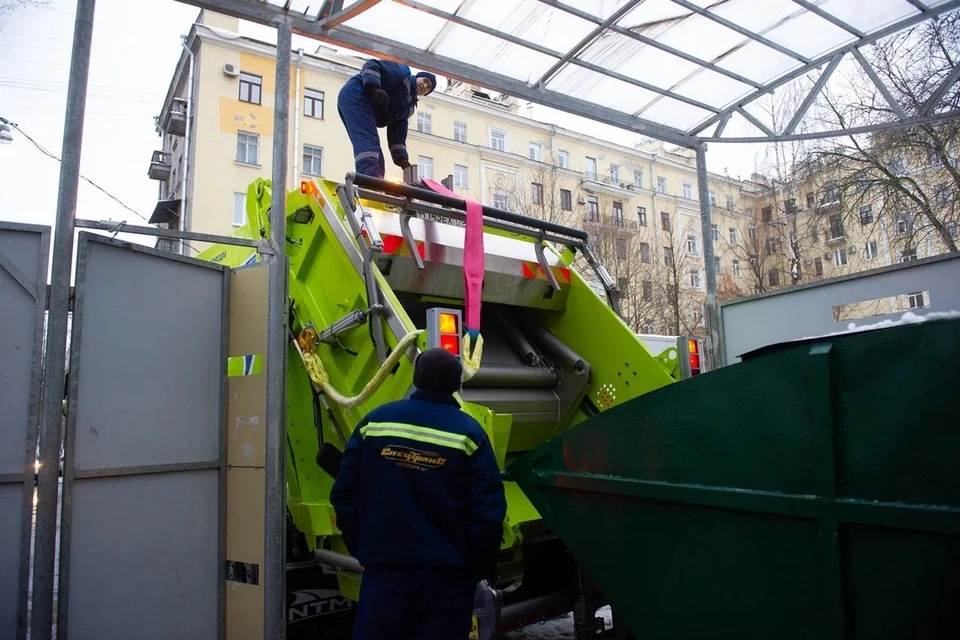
(136, 45)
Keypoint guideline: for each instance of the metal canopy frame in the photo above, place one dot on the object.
(694, 107)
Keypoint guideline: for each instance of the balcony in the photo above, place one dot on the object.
(174, 120)
(159, 166)
(608, 223)
(599, 183)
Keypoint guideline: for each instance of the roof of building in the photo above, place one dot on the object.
(677, 70)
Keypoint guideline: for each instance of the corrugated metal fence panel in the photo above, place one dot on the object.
(24, 251)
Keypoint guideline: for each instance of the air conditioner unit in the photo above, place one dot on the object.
(851, 249)
(231, 70)
(828, 256)
(581, 200)
(808, 261)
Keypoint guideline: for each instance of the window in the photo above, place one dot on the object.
(716, 264)
(563, 160)
(915, 300)
(614, 174)
(593, 209)
(536, 152)
(933, 158)
(312, 160)
(566, 200)
(752, 232)
(766, 214)
(733, 235)
(870, 250)
(498, 140)
(624, 286)
(424, 122)
(818, 266)
(661, 185)
(250, 86)
(770, 246)
(686, 190)
(903, 224)
(713, 198)
(248, 147)
(952, 230)
(693, 247)
(736, 268)
(461, 177)
(814, 233)
(866, 214)
(730, 204)
(638, 178)
(501, 200)
(590, 168)
(695, 277)
(618, 214)
(644, 252)
(239, 209)
(425, 167)
(665, 221)
(460, 131)
(668, 256)
(897, 165)
(840, 257)
(313, 103)
(716, 232)
(908, 255)
(647, 290)
(831, 194)
(811, 200)
(836, 227)
(773, 278)
(642, 216)
(621, 247)
(536, 193)
(791, 207)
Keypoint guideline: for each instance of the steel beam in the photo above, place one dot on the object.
(889, 30)
(941, 91)
(586, 41)
(749, 116)
(919, 5)
(829, 17)
(349, 13)
(709, 266)
(812, 95)
(686, 4)
(123, 227)
(260, 12)
(879, 84)
(54, 368)
(274, 573)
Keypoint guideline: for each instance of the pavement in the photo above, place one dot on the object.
(556, 628)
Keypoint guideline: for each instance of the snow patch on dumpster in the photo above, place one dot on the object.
(907, 318)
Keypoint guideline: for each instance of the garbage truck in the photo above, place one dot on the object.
(376, 275)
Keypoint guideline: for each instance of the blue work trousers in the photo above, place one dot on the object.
(416, 604)
(356, 113)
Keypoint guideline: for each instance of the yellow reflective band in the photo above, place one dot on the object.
(420, 434)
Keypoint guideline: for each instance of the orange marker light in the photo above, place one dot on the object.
(692, 346)
(448, 323)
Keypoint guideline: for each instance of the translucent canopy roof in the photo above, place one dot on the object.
(678, 70)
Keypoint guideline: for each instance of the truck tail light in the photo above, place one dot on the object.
(693, 348)
(444, 329)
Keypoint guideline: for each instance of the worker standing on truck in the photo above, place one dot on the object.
(383, 94)
(420, 504)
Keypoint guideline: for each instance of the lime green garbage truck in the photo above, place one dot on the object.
(376, 275)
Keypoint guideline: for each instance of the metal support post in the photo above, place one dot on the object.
(274, 573)
(709, 266)
(54, 368)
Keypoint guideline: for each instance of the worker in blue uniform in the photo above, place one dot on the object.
(420, 503)
(383, 94)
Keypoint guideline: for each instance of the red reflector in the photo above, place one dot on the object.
(694, 361)
(451, 343)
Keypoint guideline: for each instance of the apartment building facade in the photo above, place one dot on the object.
(639, 203)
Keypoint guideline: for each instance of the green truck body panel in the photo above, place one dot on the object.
(325, 285)
(811, 491)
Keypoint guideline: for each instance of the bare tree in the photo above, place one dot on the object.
(909, 177)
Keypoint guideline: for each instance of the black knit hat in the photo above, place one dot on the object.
(437, 370)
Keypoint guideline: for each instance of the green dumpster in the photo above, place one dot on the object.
(810, 491)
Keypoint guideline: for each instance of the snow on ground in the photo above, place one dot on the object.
(556, 628)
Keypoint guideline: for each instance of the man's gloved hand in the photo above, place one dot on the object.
(403, 164)
(380, 100)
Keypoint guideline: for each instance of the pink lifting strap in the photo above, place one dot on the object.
(472, 258)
